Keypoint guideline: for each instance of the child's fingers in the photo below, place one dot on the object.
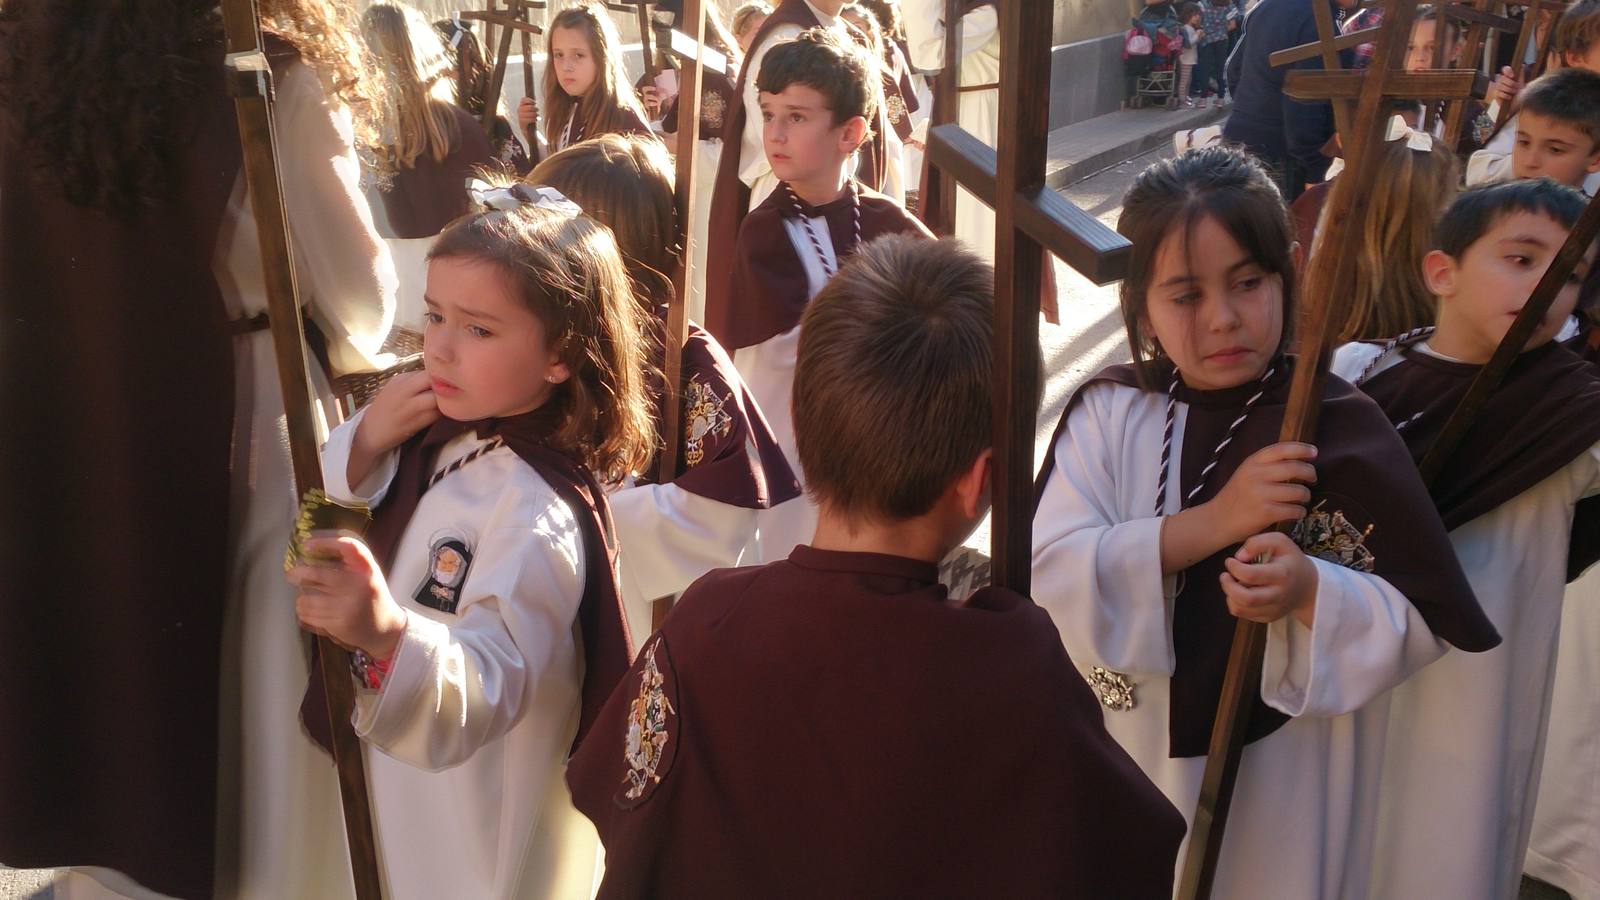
(1271, 544)
(1249, 574)
(351, 552)
(1289, 472)
(1286, 450)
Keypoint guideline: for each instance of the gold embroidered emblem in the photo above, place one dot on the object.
(648, 717)
(1332, 537)
(705, 415)
(896, 105)
(1113, 688)
(712, 108)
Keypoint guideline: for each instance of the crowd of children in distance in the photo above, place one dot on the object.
(830, 713)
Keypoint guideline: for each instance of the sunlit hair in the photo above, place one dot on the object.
(841, 70)
(743, 18)
(1408, 191)
(1578, 28)
(567, 271)
(1171, 197)
(892, 385)
(623, 182)
(93, 91)
(887, 12)
(601, 111)
(422, 89)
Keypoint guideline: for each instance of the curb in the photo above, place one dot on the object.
(1079, 169)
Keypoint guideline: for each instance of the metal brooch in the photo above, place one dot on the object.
(1113, 688)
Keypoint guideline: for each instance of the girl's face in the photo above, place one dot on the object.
(574, 61)
(1215, 311)
(487, 354)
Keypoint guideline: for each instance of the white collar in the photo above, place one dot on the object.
(823, 18)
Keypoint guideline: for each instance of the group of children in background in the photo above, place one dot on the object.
(829, 703)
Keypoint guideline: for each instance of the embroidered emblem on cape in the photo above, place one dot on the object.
(1332, 537)
(447, 572)
(712, 108)
(650, 740)
(1113, 688)
(705, 415)
(896, 106)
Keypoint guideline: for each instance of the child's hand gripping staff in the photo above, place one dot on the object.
(1268, 577)
(343, 596)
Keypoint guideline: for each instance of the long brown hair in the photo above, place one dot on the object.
(601, 110)
(1409, 189)
(624, 183)
(1223, 183)
(419, 73)
(567, 271)
(66, 64)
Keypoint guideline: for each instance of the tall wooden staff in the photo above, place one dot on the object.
(1346, 204)
(939, 194)
(250, 79)
(683, 196)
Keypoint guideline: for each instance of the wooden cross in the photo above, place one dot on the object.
(1525, 36)
(938, 199)
(1029, 217)
(250, 81)
(640, 10)
(1363, 138)
(1480, 23)
(512, 16)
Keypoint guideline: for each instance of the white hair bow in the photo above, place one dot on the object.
(1416, 140)
(461, 29)
(513, 196)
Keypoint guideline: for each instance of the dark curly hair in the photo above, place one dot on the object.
(93, 93)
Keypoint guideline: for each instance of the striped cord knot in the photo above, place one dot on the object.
(491, 444)
(1216, 454)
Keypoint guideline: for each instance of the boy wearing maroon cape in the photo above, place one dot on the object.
(833, 724)
(1461, 776)
(817, 97)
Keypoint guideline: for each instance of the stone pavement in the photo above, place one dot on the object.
(1079, 150)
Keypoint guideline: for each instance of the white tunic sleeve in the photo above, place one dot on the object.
(344, 269)
(1493, 162)
(456, 687)
(668, 537)
(1366, 638)
(1096, 570)
(336, 467)
(924, 21)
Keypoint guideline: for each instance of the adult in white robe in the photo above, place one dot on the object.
(291, 831)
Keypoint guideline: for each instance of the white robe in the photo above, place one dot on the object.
(979, 111)
(1461, 769)
(768, 370)
(1303, 809)
(466, 742)
(667, 538)
(1565, 850)
(291, 829)
(754, 170)
(705, 182)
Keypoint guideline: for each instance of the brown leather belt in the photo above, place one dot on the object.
(969, 88)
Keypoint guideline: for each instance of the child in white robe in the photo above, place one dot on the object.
(485, 614)
(1461, 768)
(1155, 529)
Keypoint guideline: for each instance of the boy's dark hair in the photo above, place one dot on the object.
(840, 71)
(892, 385)
(1567, 95)
(1476, 210)
(1578, 28)
(1188, 9)
(1224, 183)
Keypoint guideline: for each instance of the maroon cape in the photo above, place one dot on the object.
(716, 98)
(1546, 413)
(429, 195)
(730, 196)
(726, 451)
(832, 726)
(602, 623)
(1363, 472)
(117, 412)
(770, 289)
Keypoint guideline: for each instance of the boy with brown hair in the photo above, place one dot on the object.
(1577, 44)
(1558, 128)
(817, 97)
(836, 709)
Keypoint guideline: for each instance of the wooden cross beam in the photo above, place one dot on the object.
(1525, 37)
(1329, 268)
(640, 10)
(1029, 218)
(938, 198)
(513, 17)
